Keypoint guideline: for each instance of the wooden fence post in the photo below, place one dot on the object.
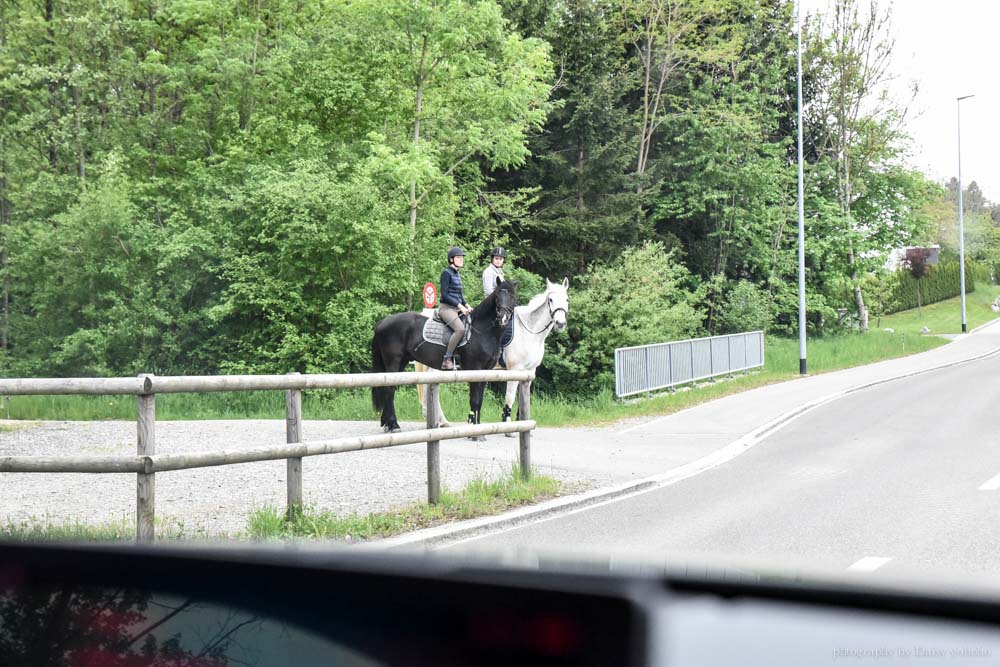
(433, 446)
(524, 412)
(145, 487)
(293, 434)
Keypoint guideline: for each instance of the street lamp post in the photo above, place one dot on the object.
(802, 227)
(961, 212)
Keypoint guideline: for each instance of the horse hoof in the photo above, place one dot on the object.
(391, 429)
(444, 424)
(511, 435)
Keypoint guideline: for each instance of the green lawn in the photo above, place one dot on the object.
(781, 354)
(946, 316)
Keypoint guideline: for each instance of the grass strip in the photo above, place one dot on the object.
(480, 497)
(48, 529)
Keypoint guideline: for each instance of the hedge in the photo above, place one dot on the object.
(941, 283)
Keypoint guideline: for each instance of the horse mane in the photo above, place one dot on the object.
(537, 300)
(488, 305)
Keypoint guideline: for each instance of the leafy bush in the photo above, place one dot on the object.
(310, 272)
(93, 309)
(985, 272)
(748, 308)
(641, 297)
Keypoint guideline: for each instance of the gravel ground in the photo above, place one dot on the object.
(218, 500)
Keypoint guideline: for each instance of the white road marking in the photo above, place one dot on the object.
(992, 485)
(869, 564)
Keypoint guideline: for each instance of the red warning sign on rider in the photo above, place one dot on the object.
(430, 295)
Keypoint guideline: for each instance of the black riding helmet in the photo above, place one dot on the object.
(455, 252)
(498, 252)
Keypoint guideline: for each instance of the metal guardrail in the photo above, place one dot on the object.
(146, 463)
(645, 368)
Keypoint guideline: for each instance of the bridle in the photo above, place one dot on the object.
(552, 317)
(502, 311)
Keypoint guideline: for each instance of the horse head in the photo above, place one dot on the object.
(557, 298)
(506, 300)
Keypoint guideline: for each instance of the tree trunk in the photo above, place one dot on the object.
(4, 228)
(419, 107)
(859, 299)
(81, 158)
(52, 85)
(151, 89)
(4, 218)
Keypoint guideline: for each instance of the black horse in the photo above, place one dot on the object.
(399, 340)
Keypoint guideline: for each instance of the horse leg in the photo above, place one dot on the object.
(442, 421)
(508, 405)
(420, 368)
(393, 364)
(476, 390)
(389, 421)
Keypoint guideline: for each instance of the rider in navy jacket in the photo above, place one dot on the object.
(452, 292)
(453, 304)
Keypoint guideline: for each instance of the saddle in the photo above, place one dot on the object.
(437, 332)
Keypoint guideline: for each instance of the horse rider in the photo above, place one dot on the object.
(453, 305)
(493, 271)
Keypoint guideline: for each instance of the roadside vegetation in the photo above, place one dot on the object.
(46, 528)
(481, 496)
(781, 363)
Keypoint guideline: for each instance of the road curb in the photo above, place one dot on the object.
(430, 537)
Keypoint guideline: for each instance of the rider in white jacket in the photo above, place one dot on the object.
(493, 271)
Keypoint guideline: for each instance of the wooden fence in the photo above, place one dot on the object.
(146, 463)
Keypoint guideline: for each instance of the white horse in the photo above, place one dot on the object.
(532, 325)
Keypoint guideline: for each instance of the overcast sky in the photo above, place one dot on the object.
(950, 47)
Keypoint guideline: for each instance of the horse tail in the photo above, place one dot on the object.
(379, 397)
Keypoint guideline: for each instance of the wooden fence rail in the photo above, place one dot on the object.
(146, 463)
(172, 384)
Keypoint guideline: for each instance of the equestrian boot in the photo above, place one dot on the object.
(506, 418)
(448, 364)
(474, 419)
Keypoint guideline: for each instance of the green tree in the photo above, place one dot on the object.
(641, 297)
(580, 164)
(451, 84)
(855, 123)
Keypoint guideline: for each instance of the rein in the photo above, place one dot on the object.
(552, 319)
(502, 310)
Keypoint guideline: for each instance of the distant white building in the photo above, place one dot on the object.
(894, 262)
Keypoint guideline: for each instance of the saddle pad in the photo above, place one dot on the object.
(437, 332)
(508, 333)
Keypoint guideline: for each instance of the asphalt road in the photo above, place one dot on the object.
(886, 479)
